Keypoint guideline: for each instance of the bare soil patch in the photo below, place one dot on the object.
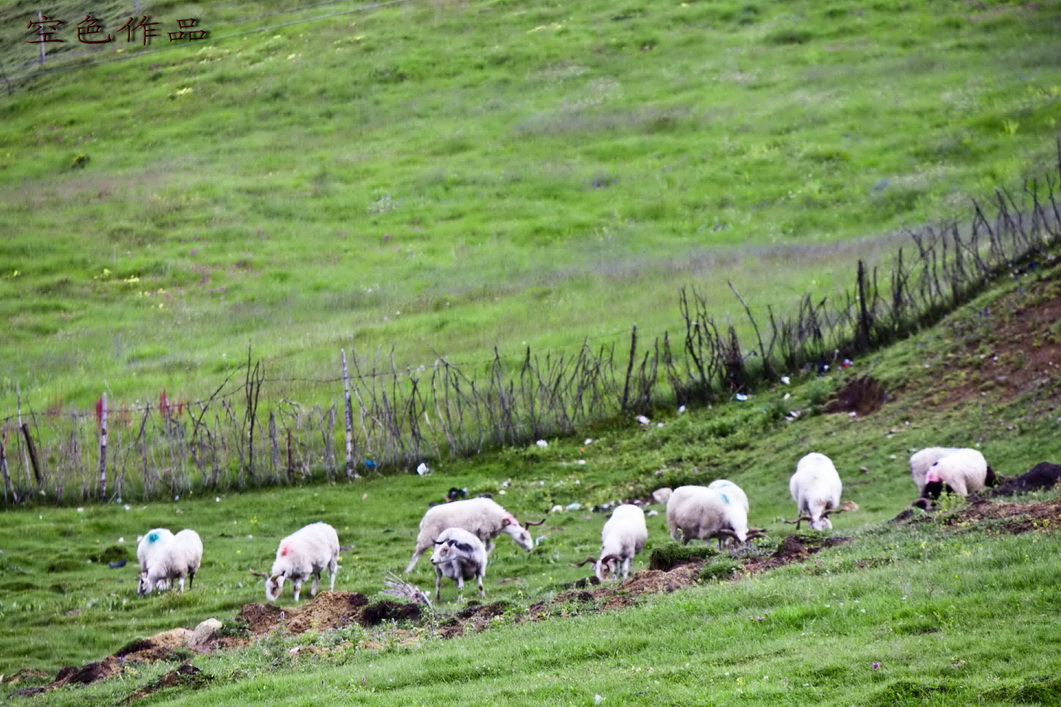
(861, 396)
(1043, 475)
(1010, 518)
(1011, 349)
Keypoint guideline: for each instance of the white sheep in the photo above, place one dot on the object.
(921, 460)
(307, 551)
(622, 537)
(731, 489)
(459, 555)
(816, 489)
(962, 472)
(482, 517)
(698, 512)
(164, 556)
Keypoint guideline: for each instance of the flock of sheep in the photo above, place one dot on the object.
(462, 533)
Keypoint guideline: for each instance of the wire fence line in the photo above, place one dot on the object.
(395, 418)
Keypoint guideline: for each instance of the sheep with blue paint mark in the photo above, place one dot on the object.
(164, 556)
(702, 513)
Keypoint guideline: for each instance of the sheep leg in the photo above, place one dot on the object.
(316, 583)
(438, 583)
(332, 569)
(181, 584)
(191, 579)
(627, 561)
(416, 556)
(460, 587)
(489, 545)
(482, 592)
(298, 587)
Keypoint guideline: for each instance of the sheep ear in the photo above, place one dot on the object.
(505, 522)
(439, 542)
(529, 523)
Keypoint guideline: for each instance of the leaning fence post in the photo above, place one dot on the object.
(9, 488)
(629, 367)
(103, 450)
(350, 471)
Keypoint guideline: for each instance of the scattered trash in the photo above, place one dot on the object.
(573, 507)
(454, 493)
(847, 363)
(116, 565)
(597, 699)
(581, 462)
(556, 509)
(505, 483)
(364, 497)
(217, 499)
(864, 469)
(786, 380)
(588, 441)
(643, 420)
(80, 510)
(422, 469)
(540, 539)
(794, 415)
(876, 665)
(852, 414)
(542, 443)
(681, 410)
(127, 507)
(741, 397)
(659, 424)
(370, 464)
(787, 396)
(652, 513)
(121, 540)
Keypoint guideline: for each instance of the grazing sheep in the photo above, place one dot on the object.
(962, 472)
(482, 517)
(816, 489)
(307, 551)
(921, 460)
(701, 513)
(459, 555)
(164, 556)
(622, 537)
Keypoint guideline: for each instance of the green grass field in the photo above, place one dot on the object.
(445, 177)
(947, 611)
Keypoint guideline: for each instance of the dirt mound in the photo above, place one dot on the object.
(861, 396)
(186, 675)
(794, 548)
(328, 610)
(1043, 475)
(1011, 518)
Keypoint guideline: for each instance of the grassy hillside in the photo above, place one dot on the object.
(944, 608)
(448, 176)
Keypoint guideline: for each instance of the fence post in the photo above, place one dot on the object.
(103, 451)
(629, 367)
(351, 472)
(864, 325)
(9, 488)
(25, 456)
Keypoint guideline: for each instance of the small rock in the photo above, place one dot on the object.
(864, 469)
(661, 495)
(205, 631)
(556, 509)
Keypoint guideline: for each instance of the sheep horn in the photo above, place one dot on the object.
(259, 574)
(529, 523)
(756, 533)
(609, 558)
(588, 559)
(729, 532)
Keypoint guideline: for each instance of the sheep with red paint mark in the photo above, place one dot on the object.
(308, 551)
(923, 459)
(962, 472)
